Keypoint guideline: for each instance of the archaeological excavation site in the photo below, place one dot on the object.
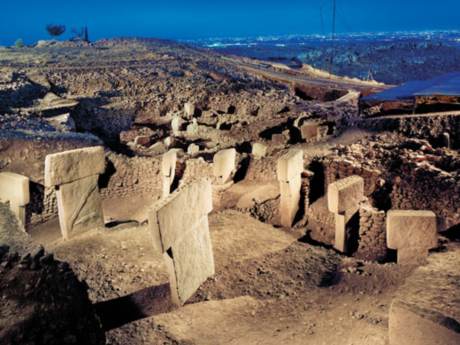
(159, 193)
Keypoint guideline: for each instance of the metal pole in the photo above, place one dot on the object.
(334, 16)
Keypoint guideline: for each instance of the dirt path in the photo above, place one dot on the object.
(295, 76)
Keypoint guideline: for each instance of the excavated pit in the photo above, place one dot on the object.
(272, 284)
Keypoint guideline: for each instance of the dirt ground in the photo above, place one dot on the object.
(269, 288)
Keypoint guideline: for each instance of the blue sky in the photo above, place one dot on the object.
(205, 18)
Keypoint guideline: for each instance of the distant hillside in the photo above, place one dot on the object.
(392, 58)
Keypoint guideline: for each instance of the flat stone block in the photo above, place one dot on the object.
(426, 308)
(409, 327)
(290, 165)
(224, 165)
(69, 166)
(416, 229)
(190, 262)
(14, 188)
(79, 206)
(174, 217)
(345, 195)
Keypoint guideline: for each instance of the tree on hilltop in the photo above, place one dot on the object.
(19, 43)
(55, 30)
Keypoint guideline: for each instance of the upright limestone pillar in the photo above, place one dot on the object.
(224, 165)
(180, 229)
(412, 234)
(344, 197)
(74, 174)
(14, 189)
(289, 172)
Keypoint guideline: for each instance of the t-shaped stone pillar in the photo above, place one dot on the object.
(14, 189)
(180, 229)
(168, 171)
(412, 234)
(289, 172)
(75, 175)
(343, 198)
(224, 165)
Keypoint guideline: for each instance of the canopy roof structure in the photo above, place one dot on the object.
(445, 85)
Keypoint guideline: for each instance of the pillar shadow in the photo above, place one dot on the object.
(138, 305)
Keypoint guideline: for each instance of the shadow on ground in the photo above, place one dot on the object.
(138, 305)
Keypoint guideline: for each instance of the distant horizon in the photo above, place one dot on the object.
(200, 19)
(67, 37)
(356, 33)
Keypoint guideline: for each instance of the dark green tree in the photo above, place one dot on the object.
(19, 43)
(55, 30)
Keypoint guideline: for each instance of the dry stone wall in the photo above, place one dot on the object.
(124, 176)
(262, 170)
(337, 168)
(42, 206)
(131, 176)
(425, 187)
(399, 173)
(196, 169)
(372, 235)
(429, 127)
(24, 153)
